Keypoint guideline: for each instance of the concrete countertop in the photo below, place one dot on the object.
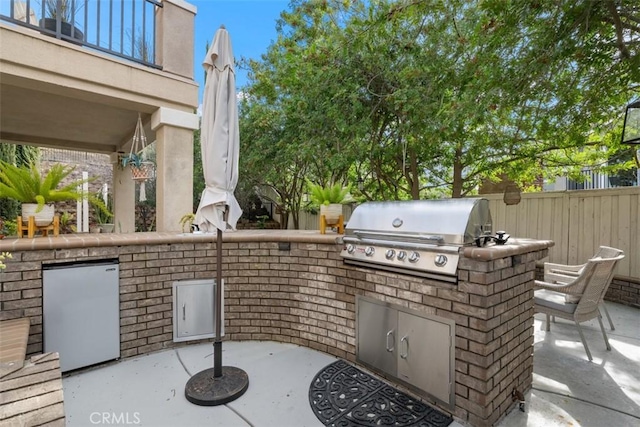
(82, 240)
(512, 247)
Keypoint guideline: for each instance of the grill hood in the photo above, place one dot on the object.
(419, 237)
(446, 221)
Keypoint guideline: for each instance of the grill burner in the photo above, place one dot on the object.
(419, 237)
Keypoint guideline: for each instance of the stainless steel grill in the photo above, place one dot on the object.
(419, 237)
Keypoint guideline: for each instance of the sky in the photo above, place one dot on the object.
(250, 23)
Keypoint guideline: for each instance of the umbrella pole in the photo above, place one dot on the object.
(217, 343)
(217, 385)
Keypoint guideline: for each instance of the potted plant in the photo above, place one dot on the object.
(103, 213)
(330, 199)
(66, 224)
(187, 222)
(66, 10)
(38, 192)
(141, 169)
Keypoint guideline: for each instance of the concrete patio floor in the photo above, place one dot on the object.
(568, 390)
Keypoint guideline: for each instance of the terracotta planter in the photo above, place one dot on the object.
(331, 212)
(42, 218)
(143, 172)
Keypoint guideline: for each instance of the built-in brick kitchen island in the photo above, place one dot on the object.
(294, 286)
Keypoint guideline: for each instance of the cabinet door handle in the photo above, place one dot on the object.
(184, 313)
(390, 346)
(405, 340)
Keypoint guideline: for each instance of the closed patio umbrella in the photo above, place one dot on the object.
(219, 209)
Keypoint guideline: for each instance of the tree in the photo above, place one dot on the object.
(198, 173)
(423, 97)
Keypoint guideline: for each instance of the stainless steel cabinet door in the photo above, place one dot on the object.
(376, 328)
(424, 353)
(81, 313)
(193, 310)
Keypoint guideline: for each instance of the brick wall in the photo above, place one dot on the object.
(306, 296)
(493, 309)
(624, 291)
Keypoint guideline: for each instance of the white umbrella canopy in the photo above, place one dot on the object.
(219, 138)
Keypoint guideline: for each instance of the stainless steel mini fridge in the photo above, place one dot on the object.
(81, 312)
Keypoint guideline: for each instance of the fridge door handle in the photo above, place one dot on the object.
(390, 346)
(184, 312)
(405, 340)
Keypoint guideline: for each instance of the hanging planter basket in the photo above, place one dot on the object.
(143, 172)
(141, 169)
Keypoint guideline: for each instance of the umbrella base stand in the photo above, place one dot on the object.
(205, 389)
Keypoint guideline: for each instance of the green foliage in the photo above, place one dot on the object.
(18, 155)
(186, 221)
(66, 224)
(103, 214)
(262, 221)
(10, 228)
(428, 98)
(198, 173)
(327, 195)
(132, 159)
(26, 185)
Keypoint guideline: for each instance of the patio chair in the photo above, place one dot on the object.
(556, 273)
(588, 288)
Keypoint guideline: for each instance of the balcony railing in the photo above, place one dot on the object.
(124, 28)
(597, 180)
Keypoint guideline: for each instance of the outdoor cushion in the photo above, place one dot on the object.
(553, 300)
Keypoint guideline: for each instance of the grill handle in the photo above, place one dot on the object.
(405, 340)
(400, 244)
(390, 347)
(437, 238)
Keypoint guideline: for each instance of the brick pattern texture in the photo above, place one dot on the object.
(306, 296)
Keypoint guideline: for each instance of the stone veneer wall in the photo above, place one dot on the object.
(306, 296)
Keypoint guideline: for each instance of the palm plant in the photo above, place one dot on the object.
(27, 185)
(103, 214)
(327, 195)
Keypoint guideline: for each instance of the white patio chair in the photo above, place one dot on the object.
(556, 273)
(589, 286)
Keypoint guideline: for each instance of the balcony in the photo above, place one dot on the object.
(125, 29)
(79, 83)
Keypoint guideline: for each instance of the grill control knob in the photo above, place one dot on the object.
(414, 257)
(369, 251)
(402, 255)
(441, 260)
(390, 254)
(351, 248)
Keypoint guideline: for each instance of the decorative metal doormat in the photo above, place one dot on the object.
(343, 395)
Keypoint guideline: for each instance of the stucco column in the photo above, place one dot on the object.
(174, 172)
(175, 34)
(124, 198)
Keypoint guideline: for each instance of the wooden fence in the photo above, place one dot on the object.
(577, 221)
